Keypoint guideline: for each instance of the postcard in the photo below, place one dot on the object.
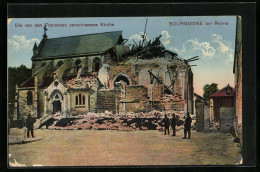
(125, 91)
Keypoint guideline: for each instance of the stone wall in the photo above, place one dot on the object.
(206, 118)
(122, 69)
(93, 98)
(40, 103)
(227, 117)
(25, 109)
(199, 116)
(136, 97)
(47, 70)
(173, 105)
(38, 65)
(80, 109)
(66, 65)
(106, 101)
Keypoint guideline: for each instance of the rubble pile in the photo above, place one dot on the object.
(214, 126)
(82, 82)
(109, 121)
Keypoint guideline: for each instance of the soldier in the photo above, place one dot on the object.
(187, 126)
(173, 124)
(29, 125)
(166, 123)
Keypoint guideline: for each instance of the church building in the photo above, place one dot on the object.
(99, 72)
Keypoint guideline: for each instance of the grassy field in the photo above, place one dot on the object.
(111, 147)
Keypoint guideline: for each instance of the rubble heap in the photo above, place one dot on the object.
(109, 121)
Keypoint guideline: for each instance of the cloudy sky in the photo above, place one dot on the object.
(214, 43)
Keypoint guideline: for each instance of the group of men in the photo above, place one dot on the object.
(167, 122)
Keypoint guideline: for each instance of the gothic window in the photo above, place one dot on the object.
(59, 64)
(77, 66)
(43, 64)
(83, 98)
(77, 100)
(96, 64)
(29, 98)
(80, 99)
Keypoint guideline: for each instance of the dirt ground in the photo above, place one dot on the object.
(112, 147)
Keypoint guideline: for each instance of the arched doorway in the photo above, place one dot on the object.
(56, 106)
(56, 101)
(123, 78)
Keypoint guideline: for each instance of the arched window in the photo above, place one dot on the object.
(96, 64)
(77, 66)
(80, 99)
(29, 98)
(77, 100)
(59, 64)
(83, 98)
(43, 64)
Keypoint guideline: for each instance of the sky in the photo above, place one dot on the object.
(212, 38)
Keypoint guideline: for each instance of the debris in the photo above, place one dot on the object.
(106, 121)
(214, 126)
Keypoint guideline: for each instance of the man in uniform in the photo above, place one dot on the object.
(166, 123)
(173, 124)
(29, 125)
(187, 126)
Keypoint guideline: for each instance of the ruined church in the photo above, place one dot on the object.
(99, 72)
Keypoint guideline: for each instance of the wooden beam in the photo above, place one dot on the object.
(172, 92)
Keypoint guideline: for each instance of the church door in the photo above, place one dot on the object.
(56, 106)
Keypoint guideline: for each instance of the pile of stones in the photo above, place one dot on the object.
(109, 121)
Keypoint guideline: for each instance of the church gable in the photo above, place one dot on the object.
(57, 84)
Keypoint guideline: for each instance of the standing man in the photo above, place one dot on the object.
(173, 124)
(29, 125)
(166, 123)
(187, 126)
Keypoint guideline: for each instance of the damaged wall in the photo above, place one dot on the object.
(176, 75)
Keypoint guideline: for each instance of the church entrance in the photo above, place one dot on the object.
(56, 106)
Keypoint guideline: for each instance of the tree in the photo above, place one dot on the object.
(16, 76)
(209, 90)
